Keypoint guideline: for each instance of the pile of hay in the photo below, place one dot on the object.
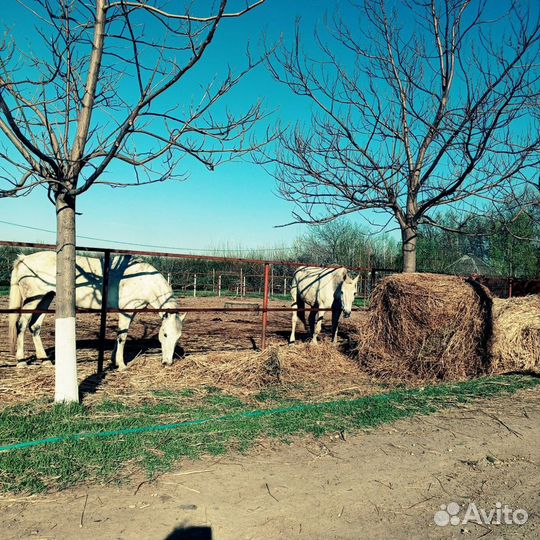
(515, 344)
(425, 326)
(303, 366)
(304, 369)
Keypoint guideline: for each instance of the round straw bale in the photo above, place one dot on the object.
(426, 326)
(515, 344)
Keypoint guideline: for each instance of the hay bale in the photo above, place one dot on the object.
(426, 326)
(515, 343)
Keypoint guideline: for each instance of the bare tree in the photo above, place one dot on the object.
(424, 105)
(105, 85)
(346, 243)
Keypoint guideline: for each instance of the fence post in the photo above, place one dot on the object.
(284, 286)
(219, 285)
(510, 283)
(103, 315)
(240, 281)
(265, 305)
(244, 286)
(195, 284)
(373, 275)
(213, 280)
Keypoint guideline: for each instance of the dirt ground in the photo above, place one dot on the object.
(386, 483)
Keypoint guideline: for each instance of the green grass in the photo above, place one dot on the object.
(56, 466)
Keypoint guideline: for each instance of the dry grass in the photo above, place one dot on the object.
(21, 385)
(516, 334)
(304, 370)
(425, 326)
(303, 367)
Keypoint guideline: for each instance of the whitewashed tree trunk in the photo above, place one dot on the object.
(66, 385)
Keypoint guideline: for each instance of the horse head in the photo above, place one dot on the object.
(169, 334)
(347, 294)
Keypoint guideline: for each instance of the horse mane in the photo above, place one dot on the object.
(128, 260)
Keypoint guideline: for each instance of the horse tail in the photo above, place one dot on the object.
(15, 302)
(298, 301)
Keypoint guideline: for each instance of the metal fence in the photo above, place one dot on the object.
(239, 283)
(230, 276)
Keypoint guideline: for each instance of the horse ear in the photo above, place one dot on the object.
(182, 316)
(356, 278)
(166, 314)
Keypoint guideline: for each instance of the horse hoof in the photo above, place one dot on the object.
(46, 362)
(122, 367)
(21, 364)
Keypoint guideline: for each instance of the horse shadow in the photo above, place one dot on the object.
(91, 384)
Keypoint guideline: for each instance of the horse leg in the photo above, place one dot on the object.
(301, 313)
(312, 320)
(335, 321)
(22, 325)
(318, 325)
(124, 321)
(294, 320)
(35, 327)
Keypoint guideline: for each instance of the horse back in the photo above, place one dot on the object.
(317, 286)
(132, 281)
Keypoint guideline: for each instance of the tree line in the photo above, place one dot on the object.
(504, 243)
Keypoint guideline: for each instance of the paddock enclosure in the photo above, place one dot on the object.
(221, 277)
(238, 323)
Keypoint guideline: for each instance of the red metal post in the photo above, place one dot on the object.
(510, 284)
(265, 305)
(103, 314)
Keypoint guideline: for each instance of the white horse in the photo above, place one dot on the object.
(133, 284)
(325, 288)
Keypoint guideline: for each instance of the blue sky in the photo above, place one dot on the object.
(235, 204)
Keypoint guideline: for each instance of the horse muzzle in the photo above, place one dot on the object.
(346, 314)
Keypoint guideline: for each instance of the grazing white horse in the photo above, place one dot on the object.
(323, 288)
(133, 284)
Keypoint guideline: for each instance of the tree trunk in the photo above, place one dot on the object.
(408, 237)
(66, 387)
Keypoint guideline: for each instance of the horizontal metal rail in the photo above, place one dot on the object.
(179, 255)
(173, 310)
(264, 309)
